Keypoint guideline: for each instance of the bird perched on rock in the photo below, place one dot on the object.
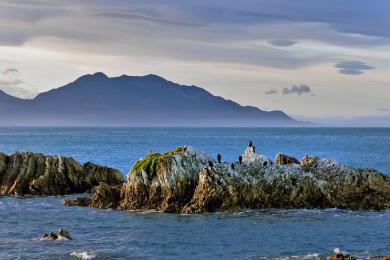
(232, 166)
(210, 163)
(251, 147)
(240, 159)
(219, 157)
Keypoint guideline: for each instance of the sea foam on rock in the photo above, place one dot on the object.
(181, 181)
(38, 174)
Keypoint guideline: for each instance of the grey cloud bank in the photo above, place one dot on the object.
(9, 71)
(271, 92)
(353, 67)
(282, 43)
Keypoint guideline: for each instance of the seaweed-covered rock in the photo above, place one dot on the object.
(38, 174)
(168, 185)
(285, 159)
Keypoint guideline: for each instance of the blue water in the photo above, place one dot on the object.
(248, 234)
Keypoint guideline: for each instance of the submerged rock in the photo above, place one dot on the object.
(38, 174)
(182, 181)
(61, 234)
(340, 256)
(77, 202)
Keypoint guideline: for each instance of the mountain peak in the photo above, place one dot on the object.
(98, 75)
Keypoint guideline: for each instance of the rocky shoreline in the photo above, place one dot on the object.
(38, 174)
(185, 180)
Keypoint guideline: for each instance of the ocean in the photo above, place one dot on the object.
(248, 234)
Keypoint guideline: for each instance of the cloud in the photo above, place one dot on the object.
(141, 17)
(9, 71)
(353, 67)
(18, 92)
(299, 90)
(282, 43)
(271, 92)
(10, 82)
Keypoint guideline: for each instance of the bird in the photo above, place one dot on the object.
(219, 157)
(240, 159)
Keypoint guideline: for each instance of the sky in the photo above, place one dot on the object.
(315, 60)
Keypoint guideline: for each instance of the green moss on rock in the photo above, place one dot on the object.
(178, 150)
(149, 164)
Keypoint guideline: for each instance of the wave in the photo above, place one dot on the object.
(83, 255)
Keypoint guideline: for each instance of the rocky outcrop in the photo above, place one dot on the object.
(285, 159)
(38, 174)
(61, 234)
(180, 181)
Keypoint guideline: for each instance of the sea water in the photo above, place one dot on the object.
(248, 234)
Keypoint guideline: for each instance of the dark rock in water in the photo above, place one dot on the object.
(285, 159)
(77, 202)
(38, 174)
(60, 234)
(181, 182)
(106, 196)
(340, 256)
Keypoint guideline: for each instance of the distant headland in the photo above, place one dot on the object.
(98, 100)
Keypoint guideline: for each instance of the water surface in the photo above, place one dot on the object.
(109, 234)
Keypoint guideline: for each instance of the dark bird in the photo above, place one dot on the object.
(210, 164)
(232, 165)
(250, 144)
(219, 157)
(240, 159)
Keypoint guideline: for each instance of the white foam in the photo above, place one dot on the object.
(83, 255)
(339, 251)
(312, 256)
(62, 238)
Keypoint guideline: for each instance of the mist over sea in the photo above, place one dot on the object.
(256, 234)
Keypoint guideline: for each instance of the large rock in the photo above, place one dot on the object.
(38, 174)
(181, 181)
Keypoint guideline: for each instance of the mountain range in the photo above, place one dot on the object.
(99, 100)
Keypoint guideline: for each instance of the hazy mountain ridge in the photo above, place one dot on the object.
(98, 100)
